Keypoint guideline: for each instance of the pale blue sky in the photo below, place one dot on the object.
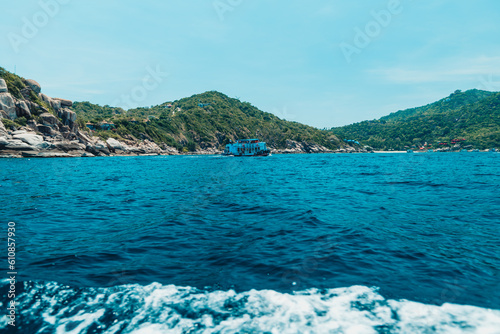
(284, 57)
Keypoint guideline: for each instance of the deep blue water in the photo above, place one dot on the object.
(386, 227)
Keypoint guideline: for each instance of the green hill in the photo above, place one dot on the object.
(18, 88)
(205, 120)
(456, 100)
(473, 115)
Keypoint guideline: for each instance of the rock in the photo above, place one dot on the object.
(30, 154)
(9, 155)
(45, 98)
(68, 146)
(169, 150)
(31, 124)
(37, 109)
(46, 130)
(29, 138)
(47, 155)
(3, 86)
(98, 148)
(23, 110)
(3, 130)
(87, 155)
(34, 85)
(116, 145)
(83, 137)
(16, 145)
(19, 132)
(48, 119)
(7, 104)
(64, 129)
(56, 104)
(68, 117)
(64, 103)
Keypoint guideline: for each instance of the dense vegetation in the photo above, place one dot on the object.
(212, 119)
(473, 116)
(17, 87)
(205, 120)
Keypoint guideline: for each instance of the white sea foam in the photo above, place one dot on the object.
(155, 308)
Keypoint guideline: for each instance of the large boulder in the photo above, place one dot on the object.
(46, 99)
(68, 116)
(37, 109)
(56, 104)
(29, 138)
(46, 130)
(48, 119)
(3, 130)
(150, 147)
(23, 110)
(98, 148)
(116, 145)
(64, 103)
(15, 145)
(69, 146)
(3, 86)
(4, 141)
(35, 86)
(83, 138)
(31, 124)
(7, 104)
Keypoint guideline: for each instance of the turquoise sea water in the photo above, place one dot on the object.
(368, 243)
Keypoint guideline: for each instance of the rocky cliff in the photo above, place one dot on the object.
(33, 124)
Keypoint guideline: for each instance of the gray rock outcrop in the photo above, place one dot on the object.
(56, 135)
(293, 146)
(64, 103)
(8, 105)
(29, 138)
(56, 104)
(49, 119)
(3, 86)
(68, 117)
(22, 109)
(35, 86)
(3, 130)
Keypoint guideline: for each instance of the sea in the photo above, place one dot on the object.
(323, 243)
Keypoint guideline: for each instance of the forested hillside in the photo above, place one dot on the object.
(205, 120)
(472, 118)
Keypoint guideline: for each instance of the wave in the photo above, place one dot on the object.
(155, 308)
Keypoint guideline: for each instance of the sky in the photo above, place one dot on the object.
(322, 63)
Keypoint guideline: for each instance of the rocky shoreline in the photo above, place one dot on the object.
(51, 131)
(56, 135)
(29, 143)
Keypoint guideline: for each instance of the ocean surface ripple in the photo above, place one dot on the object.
(371, 243)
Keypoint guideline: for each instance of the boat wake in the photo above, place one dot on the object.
(56, 308)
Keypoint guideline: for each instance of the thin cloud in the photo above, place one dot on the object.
(464, 69)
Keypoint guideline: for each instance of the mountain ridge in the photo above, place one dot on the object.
(471, 117)
(36, 125)
(210, 119)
